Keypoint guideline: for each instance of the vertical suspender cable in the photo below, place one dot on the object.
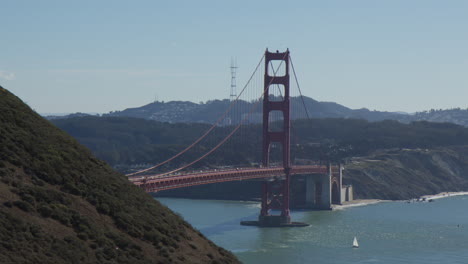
(207, 132)
(297, 82)
(226, 138)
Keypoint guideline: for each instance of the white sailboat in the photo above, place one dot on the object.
(355, 243)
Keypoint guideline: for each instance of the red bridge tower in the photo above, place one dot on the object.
(280, 198)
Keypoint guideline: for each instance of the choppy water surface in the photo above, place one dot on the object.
(391, 232)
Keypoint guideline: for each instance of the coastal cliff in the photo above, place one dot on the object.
(399, 174)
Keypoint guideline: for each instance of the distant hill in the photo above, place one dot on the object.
(209, 112)
(456, 116)
(60, 204)
(61, 116)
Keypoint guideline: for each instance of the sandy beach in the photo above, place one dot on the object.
(443, 195)
(363, 202)
(357, 202)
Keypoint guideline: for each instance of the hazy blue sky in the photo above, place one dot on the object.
(98, 56)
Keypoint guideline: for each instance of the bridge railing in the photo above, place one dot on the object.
(152, 183)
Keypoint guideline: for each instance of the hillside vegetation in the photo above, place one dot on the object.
(408, 173)
(385, 160)
(126, 141)
(60, 204)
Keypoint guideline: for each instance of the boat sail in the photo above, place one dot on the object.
(355, 243)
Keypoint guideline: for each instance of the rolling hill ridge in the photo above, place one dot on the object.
(209, 112)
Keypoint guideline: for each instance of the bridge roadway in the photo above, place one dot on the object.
(154, 183)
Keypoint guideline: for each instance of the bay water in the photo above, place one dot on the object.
(388, 232)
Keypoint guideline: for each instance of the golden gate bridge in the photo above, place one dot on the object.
(324, 181)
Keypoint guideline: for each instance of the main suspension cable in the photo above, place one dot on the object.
(299, 87)
(234, 102)
(227, 137)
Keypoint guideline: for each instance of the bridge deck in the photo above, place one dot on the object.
(154, 183)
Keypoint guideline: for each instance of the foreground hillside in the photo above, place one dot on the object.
(59, 204)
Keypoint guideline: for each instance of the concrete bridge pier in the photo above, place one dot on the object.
(275, 199)
(318, 191)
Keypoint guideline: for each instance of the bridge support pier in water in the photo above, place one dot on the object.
(278, 200)
(274, 200)
(319, 191)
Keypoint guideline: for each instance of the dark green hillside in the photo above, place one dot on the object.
(129, 141)
(123, 140)
(59, 204)
(343, 138)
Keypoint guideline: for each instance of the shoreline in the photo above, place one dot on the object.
(364, 202)
(442, 195)
(353, 203)
(357, 202)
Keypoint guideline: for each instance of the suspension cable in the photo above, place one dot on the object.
(227, 137)
(297, 82)
(208, 131)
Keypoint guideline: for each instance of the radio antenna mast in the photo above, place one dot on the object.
(233, 94)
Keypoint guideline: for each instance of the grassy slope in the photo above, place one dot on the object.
(410, 173)
(59, 204)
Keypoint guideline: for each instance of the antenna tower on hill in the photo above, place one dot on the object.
(233, 94)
